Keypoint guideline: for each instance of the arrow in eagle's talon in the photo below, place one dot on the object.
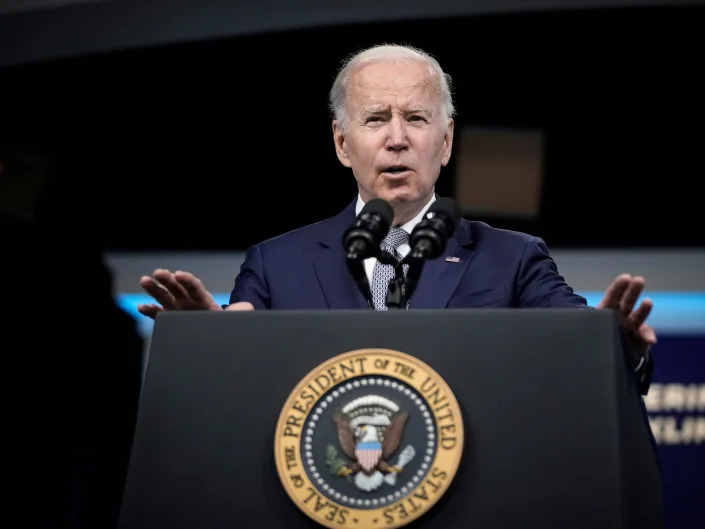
(406, 455)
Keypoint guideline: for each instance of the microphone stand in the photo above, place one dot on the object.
(396, 292)
(415, 260)
(401, 287)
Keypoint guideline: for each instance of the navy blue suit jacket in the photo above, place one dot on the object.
(306, 269)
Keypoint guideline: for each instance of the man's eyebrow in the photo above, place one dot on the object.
(379, 109)
(417, 110)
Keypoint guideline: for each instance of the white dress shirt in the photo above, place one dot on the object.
(404, 249)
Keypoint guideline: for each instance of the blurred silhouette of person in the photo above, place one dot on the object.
(72, 378)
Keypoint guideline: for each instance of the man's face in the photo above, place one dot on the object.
(397, 139)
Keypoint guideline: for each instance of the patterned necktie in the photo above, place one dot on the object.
(382, 273)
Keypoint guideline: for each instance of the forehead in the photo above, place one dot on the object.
(396, 83)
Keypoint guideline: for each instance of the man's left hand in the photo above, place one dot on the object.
(621, 296)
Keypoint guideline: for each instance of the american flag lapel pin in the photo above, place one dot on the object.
(450, 259)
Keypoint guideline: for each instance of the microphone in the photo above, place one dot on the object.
(363, 238)
(428, 239)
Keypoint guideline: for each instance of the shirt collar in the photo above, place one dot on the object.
(409, 226)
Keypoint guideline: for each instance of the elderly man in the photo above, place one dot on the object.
(393, 127)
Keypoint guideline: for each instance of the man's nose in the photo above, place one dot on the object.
(397, 139)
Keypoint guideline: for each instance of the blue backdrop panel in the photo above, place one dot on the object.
(676, 407)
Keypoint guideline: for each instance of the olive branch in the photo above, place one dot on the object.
(333, 462)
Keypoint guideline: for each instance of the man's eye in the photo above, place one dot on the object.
(373, 118)
(417, 118)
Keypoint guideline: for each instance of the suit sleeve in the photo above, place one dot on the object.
(539, 284)
(251, 283)
(642, 369)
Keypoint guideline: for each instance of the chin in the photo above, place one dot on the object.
(400, 196)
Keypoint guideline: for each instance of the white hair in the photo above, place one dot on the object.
(391, 53)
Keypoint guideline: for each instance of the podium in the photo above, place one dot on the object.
(555, 431)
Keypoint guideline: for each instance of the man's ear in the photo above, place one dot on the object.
(340, 144)
(448, 142)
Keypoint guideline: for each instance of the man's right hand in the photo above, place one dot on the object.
(175, 291)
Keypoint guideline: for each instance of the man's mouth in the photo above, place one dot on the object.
(395, 169)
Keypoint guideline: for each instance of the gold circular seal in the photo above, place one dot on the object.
(369, 438)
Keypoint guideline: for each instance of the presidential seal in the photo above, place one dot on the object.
(370, 438)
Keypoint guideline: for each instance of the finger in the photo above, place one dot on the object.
(638, 317)
(614, 292)
(648, 334)
(149, 310)
(166, 278)
(631, 295)
(195, 290)
(158, 291)
(241, 305)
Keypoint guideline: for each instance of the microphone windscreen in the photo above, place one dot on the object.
(379, 207)
(448, 207)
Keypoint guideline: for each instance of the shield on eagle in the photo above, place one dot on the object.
(368, 454)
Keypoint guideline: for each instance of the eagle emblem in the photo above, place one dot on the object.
(370, 430)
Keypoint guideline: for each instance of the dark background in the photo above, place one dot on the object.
(217, 144)
(152, 127)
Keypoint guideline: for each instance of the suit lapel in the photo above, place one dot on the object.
(439, 278)
(337, 283)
